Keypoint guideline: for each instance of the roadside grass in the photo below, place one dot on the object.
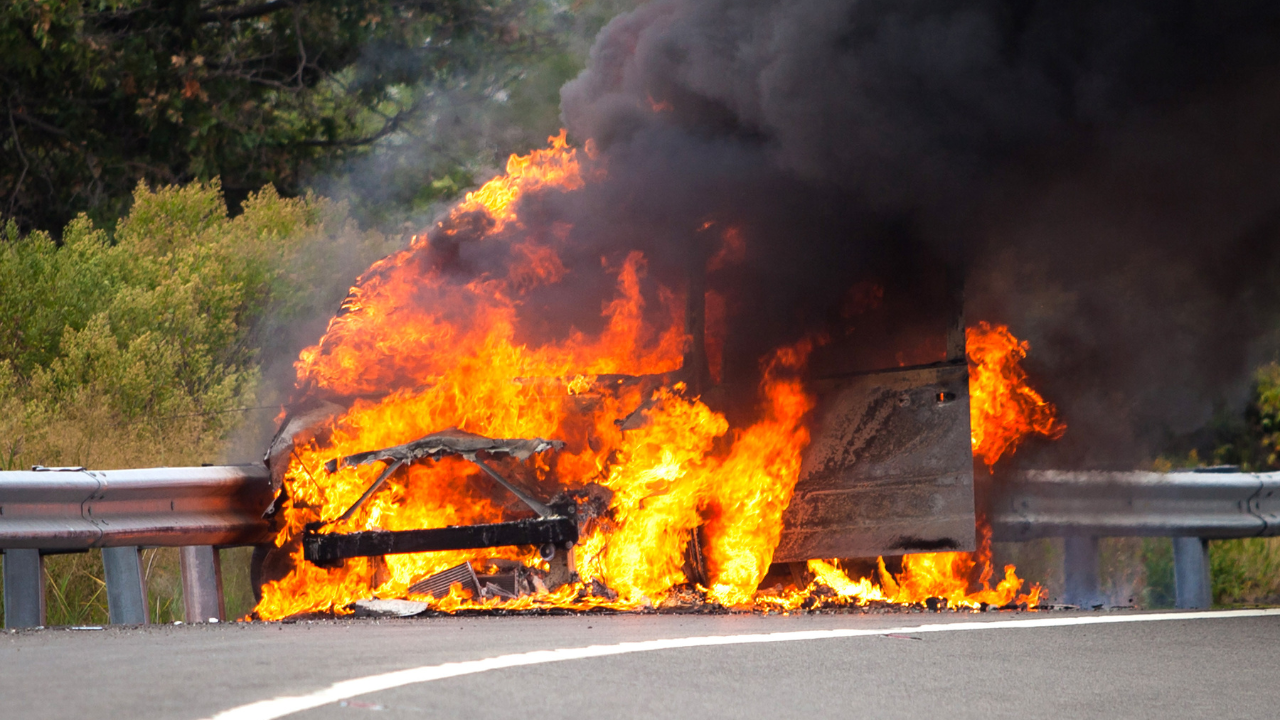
(1130, 570)
(1246, 571)
(74, 590)
(76, 593)
(1138, 572)
(237, 592)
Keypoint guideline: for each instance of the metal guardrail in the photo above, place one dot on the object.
(1216, 505)
(51, 510)
(77, 509)
(197, 509)
(1190, 507)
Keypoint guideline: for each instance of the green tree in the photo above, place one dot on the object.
(96, 95)
(145, 350)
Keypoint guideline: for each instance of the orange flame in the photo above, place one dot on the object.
(1004, 410)
(421, 351)
(556, 166)
(415, 350)
(957, 580)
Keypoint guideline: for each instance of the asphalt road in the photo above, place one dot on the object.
(1218, 668)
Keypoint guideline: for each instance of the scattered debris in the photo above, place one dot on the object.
(375, 607)
(490, 589)
(599, 589)
(508, 580)
(438, 585)
(539, 586)
(688, 597)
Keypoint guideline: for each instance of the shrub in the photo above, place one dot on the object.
(145, 347)
(140, 349)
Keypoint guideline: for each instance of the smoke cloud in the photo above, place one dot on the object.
(1104, 172)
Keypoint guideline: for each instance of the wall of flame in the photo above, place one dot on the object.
(416, 349)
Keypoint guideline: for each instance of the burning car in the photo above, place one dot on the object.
(440, 423)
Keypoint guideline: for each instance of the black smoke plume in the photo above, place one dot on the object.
(1105, 174)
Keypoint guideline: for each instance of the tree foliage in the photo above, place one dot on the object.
(155, 339)
(96, 95)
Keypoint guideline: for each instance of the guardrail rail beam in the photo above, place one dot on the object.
(74, 509)
(1191, 507)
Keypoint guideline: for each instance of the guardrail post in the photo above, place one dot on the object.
(1080, 571)
(126, 594)
(202, 584)
(23, 588)
(1191, 578)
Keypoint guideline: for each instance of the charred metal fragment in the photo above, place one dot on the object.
(438, 585)
(330, 549)
(542, 510)
(694, 567)
(491, 589)
(301, 425)
(441, 444)
(448, 442)
(508, 584)
(890, 469)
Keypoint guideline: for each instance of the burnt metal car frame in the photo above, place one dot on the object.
(555, 526)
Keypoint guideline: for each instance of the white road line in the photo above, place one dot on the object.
(282, 706)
